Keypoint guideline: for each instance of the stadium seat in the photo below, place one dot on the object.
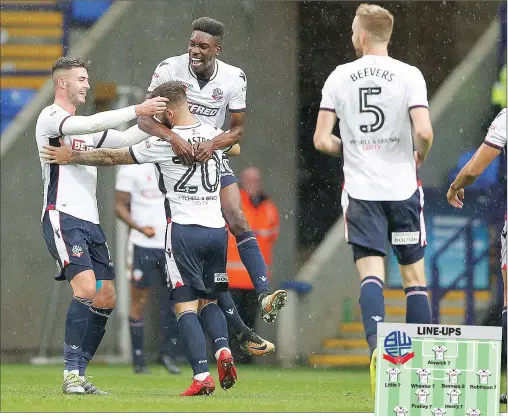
(87, 12)
(31, 18)
(50, 52)
(13, 100)
(488, 178)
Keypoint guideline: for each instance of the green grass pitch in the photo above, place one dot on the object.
(28, 388)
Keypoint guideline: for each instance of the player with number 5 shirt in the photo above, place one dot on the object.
(382, 110)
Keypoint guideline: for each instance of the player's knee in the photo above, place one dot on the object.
(138, 305)
(106, 296)
(86, 291)
(182, 308)
(82, 282)
(203, 303)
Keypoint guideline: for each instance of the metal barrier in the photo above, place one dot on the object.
(494, 212)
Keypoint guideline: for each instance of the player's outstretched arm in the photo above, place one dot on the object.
(115, 139)
(324, 140)
(108, 119)
(64, 155)
(422, 133)
(469, 173)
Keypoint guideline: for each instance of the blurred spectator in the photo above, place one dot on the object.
(263, 217)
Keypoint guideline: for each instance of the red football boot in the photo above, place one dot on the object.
(200, 388)
(227, 370)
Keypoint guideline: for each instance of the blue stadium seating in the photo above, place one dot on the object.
(488, 178)
(87, 12)
(11, 102)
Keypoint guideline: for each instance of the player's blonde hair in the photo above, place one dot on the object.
(375, 20)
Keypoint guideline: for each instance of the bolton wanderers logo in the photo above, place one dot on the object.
(398, 348)
(217, 94)
(77, 251)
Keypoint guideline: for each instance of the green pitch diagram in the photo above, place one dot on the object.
(437, 370)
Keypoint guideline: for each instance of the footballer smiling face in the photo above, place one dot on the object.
(203, 48)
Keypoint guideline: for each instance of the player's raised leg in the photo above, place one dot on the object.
(250, 342)
(249, 251)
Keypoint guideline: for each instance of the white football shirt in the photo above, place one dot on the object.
(422, 395)
(372, 97)
(146, 203)
(68, 188)
(473, 412)
(438, 411)
(400, 411)
(192, 193)
(393, 374)
(208, 101)
(483, 376)
(453, 376)
(439, 352)
(496, 136)
(423, 373)
(454, 395)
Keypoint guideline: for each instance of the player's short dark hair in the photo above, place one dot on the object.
(66, 62)
(208, 25)
(174, 91)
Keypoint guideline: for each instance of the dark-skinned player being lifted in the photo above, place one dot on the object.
(214, 87)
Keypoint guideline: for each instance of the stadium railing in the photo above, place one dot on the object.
(493, 210)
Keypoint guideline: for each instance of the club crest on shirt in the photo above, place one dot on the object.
(77, 251)
(217, 94)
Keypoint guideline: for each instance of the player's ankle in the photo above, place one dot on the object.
(262, 295)
(201, 376)
(218, 352)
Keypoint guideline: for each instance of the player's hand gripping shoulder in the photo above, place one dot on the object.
(182, 148)
(203, 151)
(64, 155)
